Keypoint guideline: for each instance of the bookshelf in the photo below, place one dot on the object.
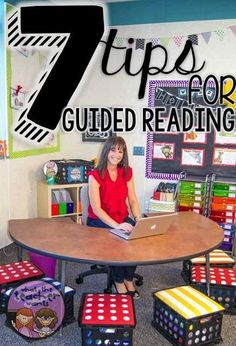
(59, 200)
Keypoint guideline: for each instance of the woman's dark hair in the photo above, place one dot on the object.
(111, 143)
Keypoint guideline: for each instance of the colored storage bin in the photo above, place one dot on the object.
(13, 274)
(224, 186)
(229, 233)
(192, 185)
(45, 263)
(222, 285)
(70, 208)
(221, 219)
(217, 258)
(225, 213)
(62, 208)
(107, 319)
(55, 203)
(186, 316)
(189, 197)
(192, 191)
(227, 244)
(192, 204)
(227, 226)
(222, 206)
(224, 193)
(54, 209)
(195, 210)
(224, 200)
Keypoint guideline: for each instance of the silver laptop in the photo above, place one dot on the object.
(146, 227)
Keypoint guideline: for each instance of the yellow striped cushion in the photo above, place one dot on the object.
(188, 302)
(216, 257)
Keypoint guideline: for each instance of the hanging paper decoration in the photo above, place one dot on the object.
(164, 41)
(206, 36)
(139, 43)
(233, 28)
(193, 38)
(155, 41)
(178, 40)
(220, 33)
(119, 42)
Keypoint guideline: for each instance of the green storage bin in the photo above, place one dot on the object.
(191, 191)
(62, 208)
(192, 185)
(224, 193)
(223, 186)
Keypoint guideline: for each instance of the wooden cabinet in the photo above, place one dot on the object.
(59, 200)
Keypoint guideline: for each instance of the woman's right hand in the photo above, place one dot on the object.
(125, 226)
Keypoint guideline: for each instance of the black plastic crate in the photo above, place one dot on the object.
(107, 319)
(72, 171)
(222, 286)
(14, 274)
(187, 317)
(218, 258)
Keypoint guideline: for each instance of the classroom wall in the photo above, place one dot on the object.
(19, 176)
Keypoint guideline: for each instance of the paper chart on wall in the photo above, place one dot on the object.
(225, 137)
(224, 157)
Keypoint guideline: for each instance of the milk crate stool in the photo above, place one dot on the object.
(107, 319)
(222, 285)
(185, 316)
(15, 273)
(218, 258)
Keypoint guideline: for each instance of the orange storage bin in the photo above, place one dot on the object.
(222, 207)
(224, 200)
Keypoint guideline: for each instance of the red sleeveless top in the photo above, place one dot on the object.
(113, 194)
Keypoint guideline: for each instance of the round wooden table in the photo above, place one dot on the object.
(190, 235)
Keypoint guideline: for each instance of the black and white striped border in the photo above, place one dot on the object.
(24, 127)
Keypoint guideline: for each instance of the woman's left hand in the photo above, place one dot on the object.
(125, 226)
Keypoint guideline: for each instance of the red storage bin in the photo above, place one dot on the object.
(221, 219)
(195, 210)
(55, 209)
(224, 213)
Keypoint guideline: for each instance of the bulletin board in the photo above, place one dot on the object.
(193, 152)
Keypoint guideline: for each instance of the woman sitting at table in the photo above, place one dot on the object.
(110, 185)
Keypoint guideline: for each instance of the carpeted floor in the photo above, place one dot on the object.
(155, 277)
